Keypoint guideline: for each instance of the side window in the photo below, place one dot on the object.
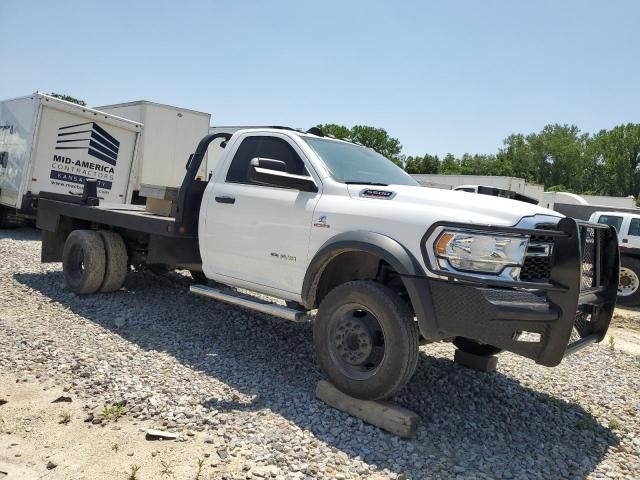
(614, 221)
(634, 227)
(263, 147)
(4, 159)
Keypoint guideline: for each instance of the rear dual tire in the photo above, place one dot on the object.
(117, 264)
(94, 261)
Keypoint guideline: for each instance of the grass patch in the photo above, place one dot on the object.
(166, 468)
(614, 424)
(200, 465)
(113, 412)
(133, 472)
(65, 418)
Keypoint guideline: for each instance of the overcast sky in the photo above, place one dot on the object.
(454, 76)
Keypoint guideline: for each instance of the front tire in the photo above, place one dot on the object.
(366, 340)
(629, 283)
(83, 261)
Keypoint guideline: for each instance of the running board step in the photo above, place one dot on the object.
(261, 306)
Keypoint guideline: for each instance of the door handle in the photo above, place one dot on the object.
(225, 200)
(625, 240)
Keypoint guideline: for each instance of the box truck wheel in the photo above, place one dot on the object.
(83, 261)
(117, 261)
(471, 346)
(366, 340)
(629, 284)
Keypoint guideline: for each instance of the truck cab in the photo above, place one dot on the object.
(342, 237)
(627, 225)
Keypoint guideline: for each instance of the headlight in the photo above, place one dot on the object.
(479, 252)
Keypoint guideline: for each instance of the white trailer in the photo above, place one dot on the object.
(47, 144)
(167, 141)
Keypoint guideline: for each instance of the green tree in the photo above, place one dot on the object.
(426, 164)
(615, 155)
(68, 98)
(450, 165)
(517, 156)
(378, 139)
(372, 137)
(335, 130)
(558, 151)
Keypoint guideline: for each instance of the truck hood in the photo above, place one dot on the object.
(449, 205)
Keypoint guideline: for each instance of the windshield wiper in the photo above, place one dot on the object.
(379, 184)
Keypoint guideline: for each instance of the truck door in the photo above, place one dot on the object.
(630, 235)
(257, 233)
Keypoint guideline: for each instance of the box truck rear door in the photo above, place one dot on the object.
(72, 147)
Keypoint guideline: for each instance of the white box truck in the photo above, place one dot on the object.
(47, 144)
(168, 139)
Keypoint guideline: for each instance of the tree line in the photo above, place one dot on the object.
(560, 157)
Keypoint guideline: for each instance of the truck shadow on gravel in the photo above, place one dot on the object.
(23, 233)
(470, 422)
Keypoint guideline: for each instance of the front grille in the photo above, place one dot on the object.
(581, 326)
(537, 269)
(588, 238)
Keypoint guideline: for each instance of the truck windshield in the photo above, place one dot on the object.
(349, 163)
(612, 220)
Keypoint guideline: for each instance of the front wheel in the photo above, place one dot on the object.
(366, 340)
(629, 284)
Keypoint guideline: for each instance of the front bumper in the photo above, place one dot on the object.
(570, 311)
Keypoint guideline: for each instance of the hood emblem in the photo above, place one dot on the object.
(379, 194)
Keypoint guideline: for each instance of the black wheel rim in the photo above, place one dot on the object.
(357, 342)
(75, 262)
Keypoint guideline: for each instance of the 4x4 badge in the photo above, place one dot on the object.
(322, 222)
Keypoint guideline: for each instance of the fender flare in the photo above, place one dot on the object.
(377, 244)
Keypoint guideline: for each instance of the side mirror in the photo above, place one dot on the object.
(270, 164)
(274, 172)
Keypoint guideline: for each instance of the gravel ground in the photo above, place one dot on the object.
(246, 382)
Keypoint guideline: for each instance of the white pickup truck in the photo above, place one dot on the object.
(628, 227)
(328, 225)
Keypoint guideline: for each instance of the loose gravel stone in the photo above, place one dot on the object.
(187, 364)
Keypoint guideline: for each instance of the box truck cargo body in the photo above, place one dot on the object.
(47, 144)
(166, 143)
